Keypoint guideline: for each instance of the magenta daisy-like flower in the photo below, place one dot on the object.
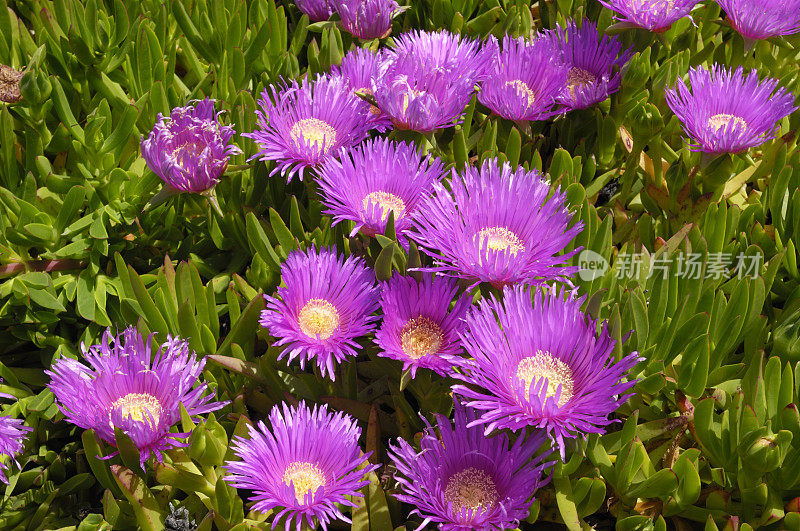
(12, 441)
(497, 225)
(327, 303)
(189, 149)
(125, 386)
(463, 480)
(303, 467)
(317, 10)
(444, 51)
(374, 179)
(361, 69)
(761, 19)
(542, 365)
(367, 19)
(525, 80)
(728, 112)
(299, 126)
(653, 15)
(419, 327)
(595, 64)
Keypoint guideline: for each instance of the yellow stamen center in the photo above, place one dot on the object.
(545, 365)
(718, 121)
(577, 77)
(386, 202)
(500, 239)
(421, 337)
(523, 91)
(137, 406)
(471, 489)
(315, 133)
(305, 477)
(319, 318)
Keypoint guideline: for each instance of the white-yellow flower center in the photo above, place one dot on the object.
(523, 91)
(137, 406)
(471, 489)
(545, 365)
(386, 202)
(421, 337)
(319, 318)
(719, 121)
(500, 239)
(313, 132)
(305, 477)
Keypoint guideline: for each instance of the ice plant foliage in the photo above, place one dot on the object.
(653, 15)
(595, 65)
(367, 19)
(727, 111)
(301, 125)
(489, 226)
(317, 10)
(542, 365)
(326, 304)
(377, 178)
(462, 480)
(189, 149)
(525, 79)
(12, 441)
(302, 467)
(761, 19)
(361, 69)
(125, 386)
(419, 328)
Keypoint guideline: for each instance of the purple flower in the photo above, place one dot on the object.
(374, 179)
(124, 386)
(525, 80)
(317, 10)
(368, 19)
(303, 468)
(327, 303)
(496, 225)
(541, 365)
(361, 69)
(12, 441)
(419, 328)
(728, 112)
(761, 19)
(189, 149)
(300, 126)
(595, 64)
(654, 15)
(442, 51)
(463, 480)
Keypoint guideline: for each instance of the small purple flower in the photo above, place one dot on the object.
(542, 365)
(374, 179)
(12, 442)
(595, 64)
(124, 386)
(525, 80)
(462, 480)
(303, 468)
(419, 328)
(496, 225)
(729, 112)
(361, 69)
(327, 303)
(368, 19)
(654, 15)
(300, 126)
(189, 149)
(761, 19)
(317, 10)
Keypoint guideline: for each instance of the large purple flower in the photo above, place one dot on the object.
(542, 365)
(729, 112)
(189, 149)
(445, 52)
(12, 441)
(462, 480)
(374, 179)
(595, 64)
(327, 303)
(125, 386)
(317, 10)
(299, 126)
(496, 225)
(367, 19)
(761, 19)
(361, 69)
(653, 15)
(303, 467)
(419, 328)
(525, 80)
